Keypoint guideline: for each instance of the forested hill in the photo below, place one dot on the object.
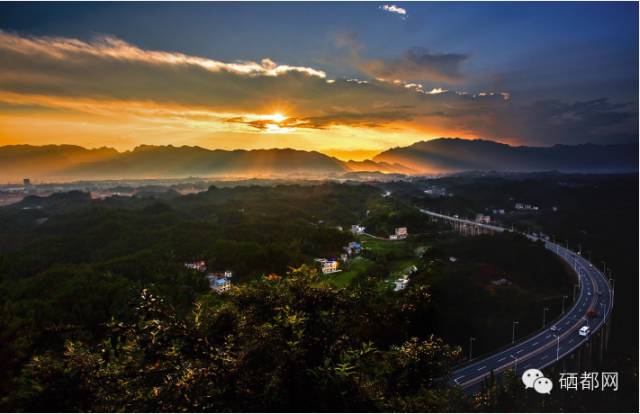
(68, 162)
(451, 155)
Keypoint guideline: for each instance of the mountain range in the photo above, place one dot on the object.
(455, 154)
(442, 155)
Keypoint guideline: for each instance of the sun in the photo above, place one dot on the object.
(278, 117)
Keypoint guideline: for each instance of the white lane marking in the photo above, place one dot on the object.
(517, 352)
(502, 359)
(534, 344)
(548, 336)
(458, 379)
(545, 357)
(570, 340)
(482, 367)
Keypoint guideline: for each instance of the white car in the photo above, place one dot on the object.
(554, 328)
(584, 331)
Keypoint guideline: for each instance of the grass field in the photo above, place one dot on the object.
(357, 266)
(377, 245)
(362, 266)
(399, 266)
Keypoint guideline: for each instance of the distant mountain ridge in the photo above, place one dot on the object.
(70, 162)
(148, 161)
(455, 154)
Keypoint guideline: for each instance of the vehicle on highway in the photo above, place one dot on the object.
(584, 331)
(554, 328)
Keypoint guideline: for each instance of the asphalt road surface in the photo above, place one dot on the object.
(556, 340)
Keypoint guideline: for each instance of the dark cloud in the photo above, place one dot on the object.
(417, 64)
(551, 122)
(72, 75)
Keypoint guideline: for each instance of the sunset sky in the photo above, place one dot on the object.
(346, 79)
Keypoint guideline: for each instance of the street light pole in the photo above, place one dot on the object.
(513, 331)
(544, 314)
(604, 264)
(515, 365)
(613, 288)
(471, 339)
(558, 348)
(563, 298)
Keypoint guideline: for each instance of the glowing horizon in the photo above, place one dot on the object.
(330, 91)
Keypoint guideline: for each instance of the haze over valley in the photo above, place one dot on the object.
(445, 155)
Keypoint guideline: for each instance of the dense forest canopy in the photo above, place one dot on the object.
(99, 312)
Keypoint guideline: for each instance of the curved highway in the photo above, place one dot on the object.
(558, 339)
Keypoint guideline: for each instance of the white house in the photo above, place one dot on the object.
(401, 232)
(328, 266)
(401, 284)
(199, 265)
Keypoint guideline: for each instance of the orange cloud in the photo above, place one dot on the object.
(126, 95)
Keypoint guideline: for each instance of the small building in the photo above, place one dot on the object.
(221, 285)
(354, 248)
(401, 233)
(218, 283)
(328, 266)
(199, 265)
(356, 229)
(401, 284)
(27, 185)
(481, 218)
(521, 206)
(227, 274)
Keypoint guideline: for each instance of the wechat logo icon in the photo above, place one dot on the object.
(534, 378)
